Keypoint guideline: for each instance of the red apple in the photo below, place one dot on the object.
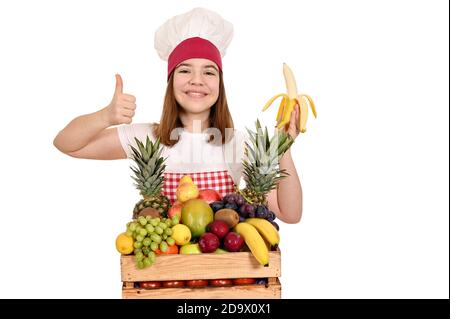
(209, 195)
(175, 210)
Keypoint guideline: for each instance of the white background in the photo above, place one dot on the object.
(373, 165)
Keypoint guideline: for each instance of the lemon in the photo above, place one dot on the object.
(181, 234)
(124, 244)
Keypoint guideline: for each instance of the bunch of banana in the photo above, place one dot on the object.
(289, 101)
(256, 231)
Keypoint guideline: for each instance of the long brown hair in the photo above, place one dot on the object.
(219, 115)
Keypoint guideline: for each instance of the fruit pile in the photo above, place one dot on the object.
(201, 221)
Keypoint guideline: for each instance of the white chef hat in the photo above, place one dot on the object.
(199, 33)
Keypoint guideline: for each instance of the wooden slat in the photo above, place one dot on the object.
(202, 266)
(273, 291)
(128, 285)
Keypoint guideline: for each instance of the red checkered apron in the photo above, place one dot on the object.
(220, 181)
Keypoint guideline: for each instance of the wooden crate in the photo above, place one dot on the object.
(203, 266)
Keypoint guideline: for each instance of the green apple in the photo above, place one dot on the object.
(190, 249)
(220, 251)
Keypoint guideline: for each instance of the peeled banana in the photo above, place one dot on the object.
(266, 229)
(254, 242)
(290, 100)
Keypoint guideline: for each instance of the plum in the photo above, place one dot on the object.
(208, 243)
(218, 228)
(233, 242)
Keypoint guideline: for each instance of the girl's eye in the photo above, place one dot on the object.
(210, 73)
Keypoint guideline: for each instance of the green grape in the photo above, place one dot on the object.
(170, 241)
(168, 231)
(139, 256)
(164, 236)
(149, 228)
(168, 222)
(146, 242)
(154, 222)
(163, 246)
(143, 232)
(137, 244)
(142, 220)
(156, 238)
(133, 226)
(145, 251)
(162, 225)
(139, 238)
(147, 262)
(129, 233)
(138, 228)
(158, 230)
(136, 250)
(152, 256)
(140, 264)
(157, 219)
(148, 218)
(154, 246)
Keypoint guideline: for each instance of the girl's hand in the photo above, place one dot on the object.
(293, 128)
(122, 107)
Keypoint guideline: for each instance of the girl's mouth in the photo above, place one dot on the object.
(195, 95)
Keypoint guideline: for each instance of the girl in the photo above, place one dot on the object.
(195, 107)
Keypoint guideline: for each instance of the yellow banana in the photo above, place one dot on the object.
(254, 241)
(266, 229)
(290, 100)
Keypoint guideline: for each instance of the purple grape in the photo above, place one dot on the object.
(261, 211)
(215, 206)
(241, 218)
(232, 206)
(243, 210)
(261, 281)
(239, 200)
(250, 209)
(271, 216)
(251, 215)
(229, 199)
(275, 225)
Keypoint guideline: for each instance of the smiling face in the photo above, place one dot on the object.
(196, 85)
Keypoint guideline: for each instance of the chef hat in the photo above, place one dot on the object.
(199, 33)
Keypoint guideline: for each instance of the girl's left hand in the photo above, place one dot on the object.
(293, 128)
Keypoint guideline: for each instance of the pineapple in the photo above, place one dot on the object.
(261, 170)
(149, 178)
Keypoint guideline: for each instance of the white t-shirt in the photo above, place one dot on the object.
(192, 153)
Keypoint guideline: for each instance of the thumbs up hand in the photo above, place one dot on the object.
(122, 107)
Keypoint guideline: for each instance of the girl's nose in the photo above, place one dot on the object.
(196, 78)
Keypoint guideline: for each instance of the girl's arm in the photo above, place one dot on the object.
(286, 200)
(88, 136)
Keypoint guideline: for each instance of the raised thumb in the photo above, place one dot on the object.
(119, 85)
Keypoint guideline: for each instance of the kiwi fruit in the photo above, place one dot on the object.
(229, 216)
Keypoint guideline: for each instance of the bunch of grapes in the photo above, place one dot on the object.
(245, 210)
(150, 234)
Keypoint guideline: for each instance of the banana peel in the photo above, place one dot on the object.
(290, 100)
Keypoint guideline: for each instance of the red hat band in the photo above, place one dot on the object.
(193, 48)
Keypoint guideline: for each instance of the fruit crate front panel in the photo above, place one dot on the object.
(201, 266)
(270, 291)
